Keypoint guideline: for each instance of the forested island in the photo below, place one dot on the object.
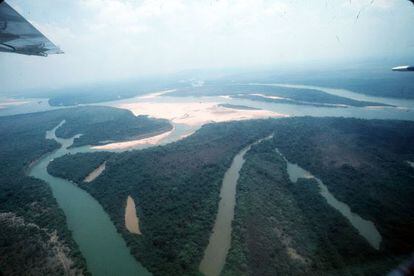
(381, 84)
(104, 92)
(34, 236)
(273, 94)
(106, 127)
(176, 191)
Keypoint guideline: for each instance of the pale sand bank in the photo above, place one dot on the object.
(131, 218)
(156, 94)
(270, 97)
(95, 173)
(153, 140)
(11, 102)
(195, 113)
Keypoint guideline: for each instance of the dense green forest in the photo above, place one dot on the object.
(284, 228)
(30, 218)
(89, 161)
(286, 95)
(176, 191)
(363, 163)
(392, 84)
(373, 78)
(104, 127)
(28, 212)
(103, 92)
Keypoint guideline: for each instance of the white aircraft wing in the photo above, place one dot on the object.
(17, 35)
(404, 68)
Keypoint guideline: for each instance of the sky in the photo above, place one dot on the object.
(109, 40)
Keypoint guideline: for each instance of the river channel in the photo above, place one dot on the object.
(365, 227)
(220, 239)
(104, 249)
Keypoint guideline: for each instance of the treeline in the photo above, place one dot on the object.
(289, 95)
(104, 92)
(284, 228)
(381, 85)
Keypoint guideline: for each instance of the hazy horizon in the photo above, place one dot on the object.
(110, 40)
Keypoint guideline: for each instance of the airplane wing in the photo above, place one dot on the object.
(404, 68)
(17, 35)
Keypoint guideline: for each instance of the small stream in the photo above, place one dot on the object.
(365, 227)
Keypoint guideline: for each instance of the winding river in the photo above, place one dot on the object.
(220, 239)
(104, 249)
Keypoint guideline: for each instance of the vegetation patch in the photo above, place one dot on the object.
(275, 94)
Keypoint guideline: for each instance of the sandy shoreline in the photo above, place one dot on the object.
(156, 94)
(131, 218)
(152, 140)
(195, 113)
(95, 173)
(11, 102)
